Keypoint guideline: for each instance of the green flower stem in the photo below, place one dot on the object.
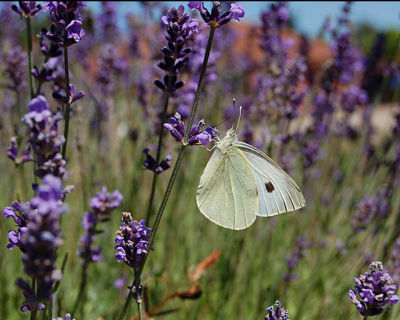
(174, 173)
(29, 43)
(68, 104)
(158, 158)
(33, 313)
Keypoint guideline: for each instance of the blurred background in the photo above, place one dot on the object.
(319, 85)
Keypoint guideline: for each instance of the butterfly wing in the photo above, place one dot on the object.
(227, 192)
(277, 191)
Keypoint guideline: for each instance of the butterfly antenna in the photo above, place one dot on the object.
(238, 121)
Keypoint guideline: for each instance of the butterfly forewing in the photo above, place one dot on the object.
(278, 192)
(227, 192)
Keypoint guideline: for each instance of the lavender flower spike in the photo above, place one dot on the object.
(67, 317)
(27, 8)
(179, 26)
(131, 241)
(278, 314)
(373, 291)
(12, 153)
(39, 241)
(217, 18)
(197, 136)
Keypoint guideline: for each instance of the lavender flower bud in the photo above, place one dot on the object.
(27, 8)
(217, 18)
(132, 241)
(373, 291)
(39, 237)
(151, 164)
(278, 314)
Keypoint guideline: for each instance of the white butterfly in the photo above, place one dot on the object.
(240, 182)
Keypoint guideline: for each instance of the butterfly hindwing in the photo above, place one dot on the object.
(227, 192)
(278, 192)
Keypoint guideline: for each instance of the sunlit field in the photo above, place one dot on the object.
(103, 213)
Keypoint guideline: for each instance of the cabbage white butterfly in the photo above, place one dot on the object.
(240, 182)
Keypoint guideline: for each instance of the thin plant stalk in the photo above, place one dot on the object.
(174, 173)
(33, 313)
(29, 43)
(158, 157)
(68, 104)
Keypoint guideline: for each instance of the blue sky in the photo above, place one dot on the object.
(309, 15)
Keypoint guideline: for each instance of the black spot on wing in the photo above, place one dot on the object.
(269, 186)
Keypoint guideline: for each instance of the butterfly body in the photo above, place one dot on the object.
(241, 182)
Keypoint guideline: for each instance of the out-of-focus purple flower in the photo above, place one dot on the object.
(354, 97)
(367, 209)
(151, 164)
(278, 314)
(297, 254)
(44, 137)
(39, 237)
(218, 18)
(26, 8)
(107, 20)
(47, 73)
(197, 135)
(373, 291)
(15, 69)
(12, 152)
(105, 202)
(72, 98)
(67, 317)
(179, 26)
(132, 241)
(102, 206)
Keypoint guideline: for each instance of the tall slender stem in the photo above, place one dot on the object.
(158, 158)
(140, 311)
(33, 313)
(174, 173)
(68, 104)
(29, 43)
(200, 84)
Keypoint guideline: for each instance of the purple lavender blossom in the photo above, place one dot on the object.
(44, 137)
(102, 206)
(368, 209)
(151, 164)
(179, 26)
(39, 240)
(373, 291)
(132, 241)
(66, 28)
(47, 72)
(72, 98)
(15, 70)
(20, 212)
(107, 20)
(75, 31)
(297, 254)
(12, 152)
(217, 17)
(104, 202)
(278, 314)
(26, 8)
(197, 135)
(67, 317)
